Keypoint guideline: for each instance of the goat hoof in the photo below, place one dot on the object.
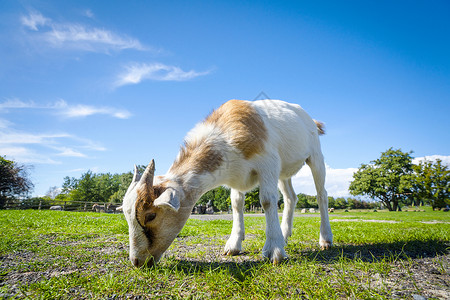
(324, 245)
(231, 252)
(277, 261)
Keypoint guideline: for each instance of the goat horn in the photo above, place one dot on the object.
(136, 175)
(149, 173)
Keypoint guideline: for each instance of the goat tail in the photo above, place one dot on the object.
(320, 127)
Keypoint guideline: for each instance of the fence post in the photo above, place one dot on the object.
(64, 206)
(40, 204)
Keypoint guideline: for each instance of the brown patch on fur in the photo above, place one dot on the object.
(146, 195)
(320, 127)
(198, 157)
(243, 124)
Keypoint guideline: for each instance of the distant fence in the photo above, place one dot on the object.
(42, 204)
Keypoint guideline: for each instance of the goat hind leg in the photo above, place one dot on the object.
(317, 166)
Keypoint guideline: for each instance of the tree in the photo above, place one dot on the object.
(219, 196)
(387, 179)
(432, 182)
(93, 187)
(306, 201)
(252, 199)
(14, 181)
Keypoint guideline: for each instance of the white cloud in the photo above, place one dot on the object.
(445, 159)
(16, 103)
(14, 137)
(89, 39)
(40, 148)
(5, 124)
(336, 183)
(135, 73)
(26, 155)
(34, 20)
(48, 148)
(77, 36)
(79, 111)
(68, 152)
(62, 108)
(88, 13)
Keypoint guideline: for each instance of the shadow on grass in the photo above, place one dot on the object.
(380, 252)
(239, 271)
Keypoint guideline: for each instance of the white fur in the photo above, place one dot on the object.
(292, 140)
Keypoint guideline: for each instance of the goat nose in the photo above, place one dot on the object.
(135, 262)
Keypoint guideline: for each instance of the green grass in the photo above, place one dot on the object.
(51, 255)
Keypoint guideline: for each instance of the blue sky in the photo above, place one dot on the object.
(102, 85)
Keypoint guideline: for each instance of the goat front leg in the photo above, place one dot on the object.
(274, 245)
(234, 243)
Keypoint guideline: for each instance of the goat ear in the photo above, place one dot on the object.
(136, 175)
(170, 199)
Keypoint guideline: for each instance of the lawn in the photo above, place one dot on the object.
(377, 255)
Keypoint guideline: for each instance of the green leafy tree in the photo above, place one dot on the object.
(92, 187)
(124, 182)
(432, 183)
(387, 179)
(14, 181)
(306, 201)
(341, 203)
(219, 196)
(252, 199)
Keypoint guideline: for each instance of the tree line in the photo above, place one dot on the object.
(392, 180)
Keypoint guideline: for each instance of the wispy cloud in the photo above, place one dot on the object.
(49, 147)
(16, 103)
(88, 13)
(44, 148)
(34, 20)
(5, 124)
(135, 73)
(77, 36)
(17, 137)
(26, 155)
(80, 111)
(69, 152)
(62, 108)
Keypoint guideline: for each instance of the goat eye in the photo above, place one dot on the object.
(150, 217)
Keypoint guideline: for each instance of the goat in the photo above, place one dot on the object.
(241, 144)
(98, 208)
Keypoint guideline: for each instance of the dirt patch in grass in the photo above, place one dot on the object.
(404, 277)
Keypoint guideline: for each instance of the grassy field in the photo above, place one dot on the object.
(377, 255)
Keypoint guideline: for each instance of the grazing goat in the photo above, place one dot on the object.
(98, 208)
(242, 144)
